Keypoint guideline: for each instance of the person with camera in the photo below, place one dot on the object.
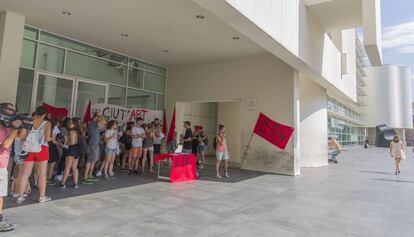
(8, 131)
(37, 145)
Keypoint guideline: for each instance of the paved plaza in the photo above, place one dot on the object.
(360, 196)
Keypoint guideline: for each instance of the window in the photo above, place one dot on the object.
(135, 78)
(116, 95)
(24, 87)
(50, 58)
(147, 66)
(154, 82)
(140, 99)
(93, 68)
(160, 102)
(30, 33)
(28, 53)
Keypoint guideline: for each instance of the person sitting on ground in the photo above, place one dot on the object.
(334, 150)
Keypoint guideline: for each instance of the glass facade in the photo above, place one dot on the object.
(53, 64)
(345, 124)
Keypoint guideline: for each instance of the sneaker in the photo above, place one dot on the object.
(112, 177)
(201, 166)
(62, 186)
(44, 199)
(75, 186)
(15, 195)
(20, 200)
(335, 162)
(218, 176)
(50, 182)
(98, 174)
(123, 170)
(59, 177)
(227, 175)
(86, 181)
(92, 179)
(6, 226)
(107, 177)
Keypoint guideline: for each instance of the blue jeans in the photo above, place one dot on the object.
(333, 154)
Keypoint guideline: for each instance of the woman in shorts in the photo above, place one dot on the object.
(111, 148)
(222, 152)
(126, 141)
(138, 135)
(71, 155)
(148, 149)
(43, 129)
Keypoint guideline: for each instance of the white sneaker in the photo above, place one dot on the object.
(59, 177)
(218, 176)
(227, 175)
(98, 174)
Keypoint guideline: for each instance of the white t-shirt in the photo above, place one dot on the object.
(55, 131)
(137, 142)
(113, 142)
(159, 138)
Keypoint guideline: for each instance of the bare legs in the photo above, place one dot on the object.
(144, 160)
(71, 163)
(397, 165)
(109, 164)
(41, 173)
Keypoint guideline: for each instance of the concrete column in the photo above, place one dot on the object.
(296, 123)
(313, 123)
(11, 40)
(404, 141)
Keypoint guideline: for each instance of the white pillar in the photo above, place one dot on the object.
(11, 40)
(296, 123)
(403, 137)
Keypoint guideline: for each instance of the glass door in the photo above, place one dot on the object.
(53, 90)
(87, 91)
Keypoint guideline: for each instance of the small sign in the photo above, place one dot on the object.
(251, 104)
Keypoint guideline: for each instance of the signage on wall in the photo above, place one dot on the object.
(122, 115)
(251, 104)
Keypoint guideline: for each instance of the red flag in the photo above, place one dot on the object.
(275, 133)
(87, 117)
(170, 136)
(164, 126)
(56, 112)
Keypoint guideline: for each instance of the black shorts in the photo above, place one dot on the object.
(157, 149)
(72, 151)
(53, 153)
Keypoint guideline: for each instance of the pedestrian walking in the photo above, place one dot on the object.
(397, 152)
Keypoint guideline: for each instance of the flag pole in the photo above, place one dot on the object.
(247, 148)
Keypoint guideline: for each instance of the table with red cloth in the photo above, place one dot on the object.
(183, 167)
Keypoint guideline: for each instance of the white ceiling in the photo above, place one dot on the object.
(152, 25)
(336, 14)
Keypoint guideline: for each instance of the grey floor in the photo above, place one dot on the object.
(360, 196)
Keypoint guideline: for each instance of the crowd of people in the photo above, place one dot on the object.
(39, 150)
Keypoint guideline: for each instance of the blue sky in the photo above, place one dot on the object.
(398, 32)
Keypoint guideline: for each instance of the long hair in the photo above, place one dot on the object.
(396, 139)
(110, 124)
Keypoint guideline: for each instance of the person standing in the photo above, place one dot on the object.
(334, 150)
(126, 140)
(138, 135)
(222, 152)
(94, 137)
(71, 155)
(7, 136)
(42, 130)
(54, 145)
(111, 148)
(187, 138)
(202, 147)
(159, 135)
(397, 152)
(148, 149)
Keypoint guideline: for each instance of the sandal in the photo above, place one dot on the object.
(44, 199)
(20, 200)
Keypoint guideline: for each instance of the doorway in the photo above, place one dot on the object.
(67, 92)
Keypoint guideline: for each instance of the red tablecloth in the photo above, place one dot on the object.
(183, 166)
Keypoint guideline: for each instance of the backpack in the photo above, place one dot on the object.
(31, 143)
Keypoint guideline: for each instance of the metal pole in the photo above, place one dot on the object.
(247, 148)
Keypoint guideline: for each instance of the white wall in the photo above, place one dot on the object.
(389, 96)
(287, 29)
(11, 40)
(263, 77)
(313, 125)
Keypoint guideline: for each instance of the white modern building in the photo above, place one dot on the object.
(300, 62)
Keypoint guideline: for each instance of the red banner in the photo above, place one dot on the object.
(170, 135)
(88, 113)
(56, 112)
(275, 133)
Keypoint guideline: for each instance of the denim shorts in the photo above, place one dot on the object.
(110, 151)
(202, 148)
(222, 155)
